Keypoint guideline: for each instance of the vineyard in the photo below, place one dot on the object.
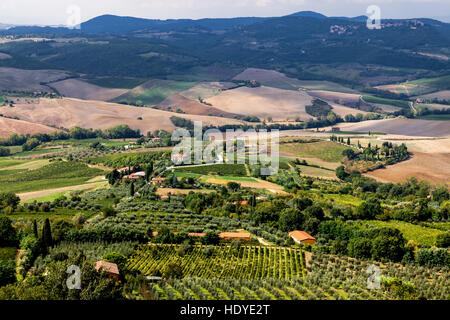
(328, 278)
(222, 262)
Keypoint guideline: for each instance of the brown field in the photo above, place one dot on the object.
(9, 127)
(69, 112)
(258, 184)
(18, 79)
(441, 95)
(345, 99)
(407, 127)
(74, 88)
(263, 102)
(342, 111)
(396, 88)
(44, 193)
(432, 167)
(178, 101)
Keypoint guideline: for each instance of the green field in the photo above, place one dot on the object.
(235, 170)
(424, 86)
(422, 235)
(153, 92)
(117, 82)
(436, 117)
(324, 85)
(344, 199)
(324, 150)
(55, 175)
(26, 165)
(223, 262)
(391, 102)
(6, 162)
(317, 172)
(228, 178)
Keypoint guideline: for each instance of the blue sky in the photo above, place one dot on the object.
(53, 12)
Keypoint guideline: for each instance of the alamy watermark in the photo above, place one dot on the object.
(74, 280)
(374, 280)
(74, 17)
(232, 147)
(374, 18)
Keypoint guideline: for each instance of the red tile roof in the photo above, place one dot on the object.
(301, 235)
(234, 235)
(107, 267)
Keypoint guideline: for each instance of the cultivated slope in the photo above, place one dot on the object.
(11, 126)
(69, 112)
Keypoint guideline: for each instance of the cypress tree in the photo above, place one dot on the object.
(35, 229)
(132, 189)
(47, 240)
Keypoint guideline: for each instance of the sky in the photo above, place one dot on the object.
(59, 12)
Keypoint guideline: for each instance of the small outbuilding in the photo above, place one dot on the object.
(302, 237)
(227, 236)
(110, 268)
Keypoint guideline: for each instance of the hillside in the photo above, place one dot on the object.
(9, 127)
(69, 112)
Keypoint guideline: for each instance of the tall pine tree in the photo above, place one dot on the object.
(35, 229)
(47, 240)
(132, 189)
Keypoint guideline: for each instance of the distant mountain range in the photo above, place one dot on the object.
(295, 44)
(125, 25)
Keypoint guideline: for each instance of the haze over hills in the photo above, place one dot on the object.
(121, 24)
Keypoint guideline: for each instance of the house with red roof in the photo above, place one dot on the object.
(302, 237)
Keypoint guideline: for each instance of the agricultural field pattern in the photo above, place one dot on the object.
(90, 123)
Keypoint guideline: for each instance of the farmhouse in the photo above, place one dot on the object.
(244, 236)
(140, 174)
(156, 139)
(301, 237)
(125, 169)
(242, 203)
(335, 129)
(134, 176)
(110, 268)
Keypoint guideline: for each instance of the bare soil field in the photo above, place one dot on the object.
(342, 111)
(269, 78)
(74, 88)
(432, 167)
(178, 101)
(441, 95)
(4, 56)
(345, 99)
(69, 112)
(9, 127)
(407, 127)
(19, 79)
(44, 193)
(206, 90)
(259, 184)
(263, 102)
(435, 106)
